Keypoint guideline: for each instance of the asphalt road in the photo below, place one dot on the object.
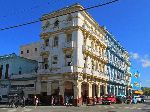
(143, 107)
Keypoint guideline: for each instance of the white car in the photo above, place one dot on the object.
(139, 99)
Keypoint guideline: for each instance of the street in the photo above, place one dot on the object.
(144, 107)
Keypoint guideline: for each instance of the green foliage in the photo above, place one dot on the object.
(146, 91)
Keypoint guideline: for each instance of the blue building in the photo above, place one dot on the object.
(135, 81)
(118, 66)
(11, 65)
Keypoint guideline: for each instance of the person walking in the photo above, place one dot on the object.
(52, 100)
(36, 102)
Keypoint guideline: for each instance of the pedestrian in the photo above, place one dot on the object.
(67, 100)
(23, 101)
(130, 97)
(52, 101)
(36, 102)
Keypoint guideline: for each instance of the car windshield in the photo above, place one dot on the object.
(142, 96)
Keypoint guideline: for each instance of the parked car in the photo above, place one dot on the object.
(142, 98)
(138, 98)
(108, 99)
(120, 99)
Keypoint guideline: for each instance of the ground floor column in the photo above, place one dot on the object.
(38, 87)
(125, 90)
(90, 98)
(117, 87)
(77, 94)
(61, 92)
(114, 89)
(49, 86)
(99, 91)
(106, 88)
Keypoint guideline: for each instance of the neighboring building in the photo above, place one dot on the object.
(73, 60)
(118, 66)
(135, 82)
(31, 51)
(12, 66)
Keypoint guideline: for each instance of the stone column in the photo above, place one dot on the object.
(49, 86)
(90, 99)
(61, 92)
(38, 86)
(77, 94)
(125, 90)
(105, 89)
(114, 89)
(99, 90)
(117, 90)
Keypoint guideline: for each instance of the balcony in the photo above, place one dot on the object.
(44, 71)
(16, 76)
(68, 45)
(90, 50)
(45, 49)
(67, 69)
(67, 24)
(87, 70)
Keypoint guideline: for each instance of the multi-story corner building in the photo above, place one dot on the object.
(118, 66)
(135, 82)
(11, 68)
(31, 51)
(73, 62)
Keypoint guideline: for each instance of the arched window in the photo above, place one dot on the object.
(56, 23)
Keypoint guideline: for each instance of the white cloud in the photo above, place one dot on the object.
(134, 55)
(144, 59)
(147, 80)
(145, 63)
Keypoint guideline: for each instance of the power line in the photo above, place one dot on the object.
(25, 10)
(39, 19)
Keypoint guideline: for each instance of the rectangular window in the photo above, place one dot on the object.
(45, 60)
(35, 49)
(21, 52)
(7, 69)
(55, 59)
(68, 59)
(55, 41)
(27, 51)
(46, 42)
(69, 37)
(45, 66)
(1, 68)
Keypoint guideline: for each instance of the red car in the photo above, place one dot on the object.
(108, 99)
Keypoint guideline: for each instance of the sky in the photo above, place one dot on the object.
(127, 20)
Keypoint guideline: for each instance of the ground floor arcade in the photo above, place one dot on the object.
(70, 88)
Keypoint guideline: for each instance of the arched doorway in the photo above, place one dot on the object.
(84, 91)
(69, 92)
